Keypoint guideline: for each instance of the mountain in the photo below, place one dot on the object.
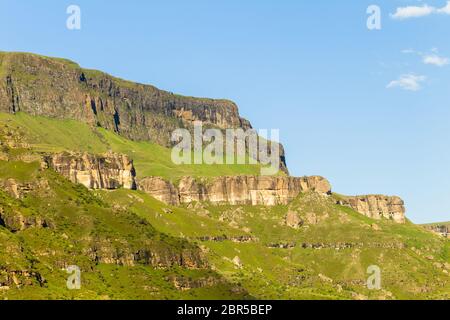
(86, 180)
(59, 88)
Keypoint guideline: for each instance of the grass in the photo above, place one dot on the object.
(100, 230)
(80, 223)
(22, 171)
(54, 135)
(269, 273)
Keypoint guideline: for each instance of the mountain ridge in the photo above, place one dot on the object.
(60, 88)
(68, 198)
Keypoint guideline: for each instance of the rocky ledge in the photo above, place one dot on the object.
(377, 206)
(108, 171)
(237, 190)
(113, 171)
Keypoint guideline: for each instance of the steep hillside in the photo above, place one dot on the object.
(441, 228)
(61, 89)
(129, 245)
(47, 135)
(48, 224)
(87, 180)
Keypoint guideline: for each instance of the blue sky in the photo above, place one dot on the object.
(369, 110)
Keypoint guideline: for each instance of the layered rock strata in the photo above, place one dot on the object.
(108, 171)
(377, 206)
(237, 190)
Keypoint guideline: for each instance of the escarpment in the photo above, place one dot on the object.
(237, 190)
(109, 171)
(160, 189)
(442, 229)
(59, 88)
(113, 171)
(377, 206)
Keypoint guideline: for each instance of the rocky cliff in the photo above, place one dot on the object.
(238, 190)
(377, 206)
(109, 171)
(442, 229)
(112, 171)
(59, 88)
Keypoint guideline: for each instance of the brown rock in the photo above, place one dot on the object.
(109, 171)
(249, 190)
(377, 206)
(160, 189)
(293, 220)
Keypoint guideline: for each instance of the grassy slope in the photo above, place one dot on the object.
(434, 224)
(413, 272)
(294, 273)
(78, 220)
(49, 135)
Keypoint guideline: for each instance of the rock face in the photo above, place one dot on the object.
(160, 189)
(293, 220)
(377, 206)
(19, 190)
(109, 171)
(238, 190)
(16, 221)
(442, 229)
(61, 89)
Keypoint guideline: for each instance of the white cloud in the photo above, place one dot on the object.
(408, 82)
(446, 9)
(436, 60)
(403, 13)
(413, 12)
(430, 58)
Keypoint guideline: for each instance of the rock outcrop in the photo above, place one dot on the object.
(108, 171)
(16, 221)
(442, 229)
(104, 251)
(60, 88)
(160, 189)
(377, 206)
(19, 278)
(292, 220)
(237, 190)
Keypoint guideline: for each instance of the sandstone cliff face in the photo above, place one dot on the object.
(238, 190)
(109, 171)
(160, 189)
(60, 88)
(442, 229)
(104, 251)
(377, 206)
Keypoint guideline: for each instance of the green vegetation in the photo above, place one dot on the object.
(80, 229)
(54, 135)
(130, 246)
(347, 244)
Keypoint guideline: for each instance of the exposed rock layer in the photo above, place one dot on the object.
(377, 206)
(112, 171)
(442, 229)
(238, 190)
(109, 171)
(160, 189)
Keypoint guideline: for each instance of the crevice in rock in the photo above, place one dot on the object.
(14, 99)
